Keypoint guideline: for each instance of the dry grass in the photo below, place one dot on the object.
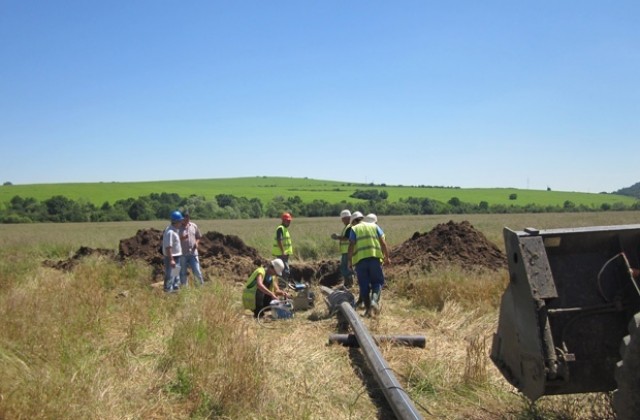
(100, 342)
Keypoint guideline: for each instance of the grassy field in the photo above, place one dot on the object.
(257, 232)
(101, 343)
(266, 188)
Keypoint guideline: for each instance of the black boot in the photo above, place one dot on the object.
(367, 305)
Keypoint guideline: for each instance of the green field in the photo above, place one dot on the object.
(266, 188)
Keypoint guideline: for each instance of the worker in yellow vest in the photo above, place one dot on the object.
(282, 245)
(368, 251)
(262, 287)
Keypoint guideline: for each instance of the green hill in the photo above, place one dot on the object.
(266, 188)
(632, 191)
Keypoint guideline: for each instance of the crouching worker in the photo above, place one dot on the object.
(262, 287)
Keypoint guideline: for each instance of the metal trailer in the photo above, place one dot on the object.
(570, 317)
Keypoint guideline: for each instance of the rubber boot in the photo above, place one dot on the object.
(366, 300)
(375, 303)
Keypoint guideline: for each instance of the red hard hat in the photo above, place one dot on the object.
(286, 216)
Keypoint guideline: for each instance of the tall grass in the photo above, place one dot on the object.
(478, 289)
(100, 343)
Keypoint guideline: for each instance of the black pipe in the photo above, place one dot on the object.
(350, 340)
(398, 399)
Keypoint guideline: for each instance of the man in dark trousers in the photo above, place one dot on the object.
(282, 245)
(367, 252)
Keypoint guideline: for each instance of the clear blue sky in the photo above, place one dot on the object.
(531, 94)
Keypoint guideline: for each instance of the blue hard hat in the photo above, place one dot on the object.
(176, 216)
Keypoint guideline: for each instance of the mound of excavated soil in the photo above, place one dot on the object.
(83, 251)
(228, 257)
(449, 243)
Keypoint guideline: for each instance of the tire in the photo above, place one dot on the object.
(626, 399)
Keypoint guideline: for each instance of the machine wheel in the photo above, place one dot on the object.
(625, 399)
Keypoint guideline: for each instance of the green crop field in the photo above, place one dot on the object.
(266, 188)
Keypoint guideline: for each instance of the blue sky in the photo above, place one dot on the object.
(459, 93)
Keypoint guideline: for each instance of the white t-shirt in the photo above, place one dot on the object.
(171, 239)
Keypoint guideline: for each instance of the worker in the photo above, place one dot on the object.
(343, 237)
(635, 273)
(172, 252)
(262, 287)
(368, 251)
(370, 218)
(189, 239)
(282, 245)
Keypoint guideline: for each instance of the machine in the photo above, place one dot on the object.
(570, 317)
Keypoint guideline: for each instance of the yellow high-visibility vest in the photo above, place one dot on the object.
(251, 287)
(367, 243)
(286, 242)
(344, 242)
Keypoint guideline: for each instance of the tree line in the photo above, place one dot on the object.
(226, 206)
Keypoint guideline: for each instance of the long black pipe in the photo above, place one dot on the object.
(398, 399)
(350, 340)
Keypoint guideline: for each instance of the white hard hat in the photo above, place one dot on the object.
(278, 265)
(356, 215)
(370, 218)
(345, 213)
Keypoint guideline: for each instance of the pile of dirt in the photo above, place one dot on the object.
(449, 243)
(145, 245)
(228, 256)
(83, 251)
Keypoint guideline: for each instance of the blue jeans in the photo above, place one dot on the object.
(370, 278)
(170, 283)
(192, 261)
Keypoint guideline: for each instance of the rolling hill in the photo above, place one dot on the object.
(266, 188)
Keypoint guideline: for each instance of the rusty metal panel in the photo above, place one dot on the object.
(536, 266)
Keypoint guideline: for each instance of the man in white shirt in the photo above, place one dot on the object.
(172, 251)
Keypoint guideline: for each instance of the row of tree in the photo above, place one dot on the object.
(226, 206)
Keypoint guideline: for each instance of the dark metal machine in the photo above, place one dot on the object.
(567, 316)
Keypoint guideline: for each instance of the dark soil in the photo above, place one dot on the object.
(449, 243)
(83, 251)
(229, 257)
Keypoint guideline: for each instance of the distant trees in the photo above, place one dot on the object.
(370, 195)
(141, 209)
(228, 206)
(239, 207)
